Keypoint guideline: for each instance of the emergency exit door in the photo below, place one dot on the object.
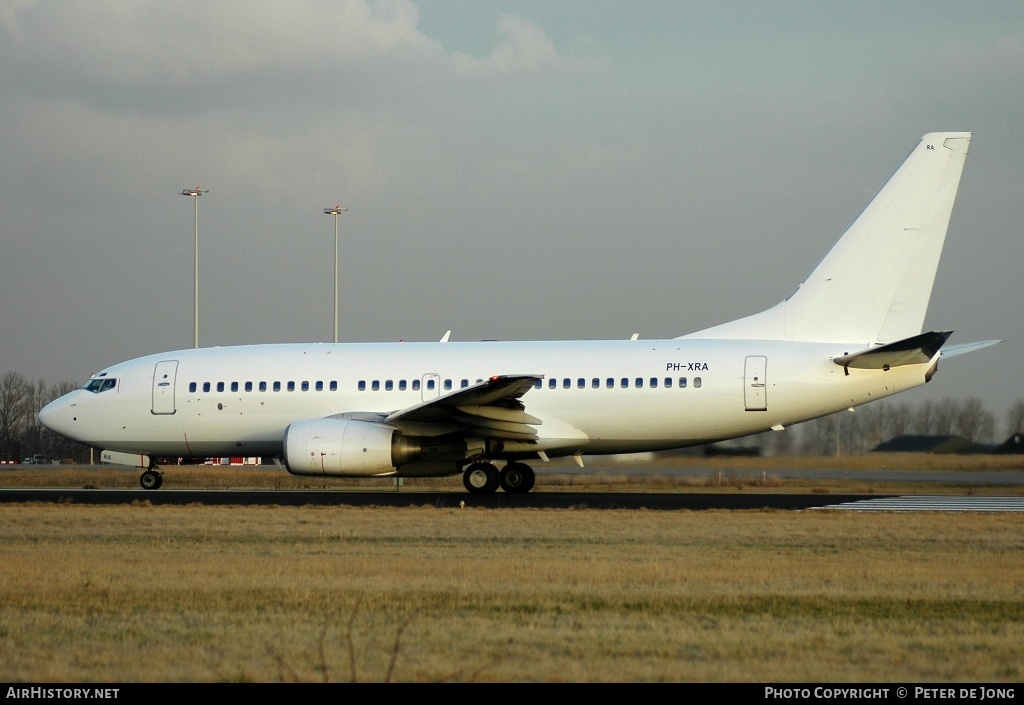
(755, 383)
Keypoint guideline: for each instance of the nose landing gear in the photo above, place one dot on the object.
(151, 480)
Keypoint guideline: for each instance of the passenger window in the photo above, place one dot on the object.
(696, 382)
(465, 383)
(654, 382)
(192, 387)
(375, 385)
(401, 385)
(682, 382)
(447, 384)
(552, 383)
(415, 385)
(581, 383)
(566, 383)
(334, 385)
(248, 386)
(206, 386)
(234, 386)
(430, 385)
(610, 383)
(305, 385)
(362, 385)
(389, 385)
(291, 386)
(639, 382)
(624, 383)
(319, 385)
(595, 383)
(263, 386)
(538, 384)
(220, 386)
(277, 386)
(668, 383)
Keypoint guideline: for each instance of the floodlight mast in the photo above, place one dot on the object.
(336, 211)
(196, 193)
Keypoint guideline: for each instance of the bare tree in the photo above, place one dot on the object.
(924, 419)
(873, 421)
(974, 422)
(899, 419)
(830, 435)
(15, 403)
(780, 442)
(946, 412)
(37, 396)
(1015, 418)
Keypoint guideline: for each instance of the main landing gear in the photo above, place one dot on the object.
(485, 478)
(151, 480)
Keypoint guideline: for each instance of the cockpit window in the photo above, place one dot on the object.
(99, 385)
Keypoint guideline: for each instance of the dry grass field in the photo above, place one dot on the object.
(146, 593)
(708, 474)
(161, 593)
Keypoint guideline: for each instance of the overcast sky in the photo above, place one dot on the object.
(513, 170)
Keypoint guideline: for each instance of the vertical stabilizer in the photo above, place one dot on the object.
(873, 286)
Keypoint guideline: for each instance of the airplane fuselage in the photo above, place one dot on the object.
(851, 332)
(598, 396)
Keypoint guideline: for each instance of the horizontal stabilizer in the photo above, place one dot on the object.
(912, 351)
(954, 350)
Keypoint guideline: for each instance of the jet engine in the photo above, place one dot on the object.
(346, 448)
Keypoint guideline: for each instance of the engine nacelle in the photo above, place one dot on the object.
(346, 448)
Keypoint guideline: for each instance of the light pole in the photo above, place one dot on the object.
(336, 211)
(196, 193)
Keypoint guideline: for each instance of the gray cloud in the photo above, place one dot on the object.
(582, 171)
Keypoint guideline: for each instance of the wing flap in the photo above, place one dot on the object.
(497, 394)
(478, 422)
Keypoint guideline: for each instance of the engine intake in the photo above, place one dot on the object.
(346, 448)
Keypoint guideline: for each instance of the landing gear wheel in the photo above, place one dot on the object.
(151, 480)
(481, 478)
(517, 478)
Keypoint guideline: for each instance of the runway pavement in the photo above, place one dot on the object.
(535, 500)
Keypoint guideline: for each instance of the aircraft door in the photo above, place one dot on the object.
(163, 386)
(430, 387)
(755, 383)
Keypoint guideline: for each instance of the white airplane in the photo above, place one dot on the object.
(850, 334)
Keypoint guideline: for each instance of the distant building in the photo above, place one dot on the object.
(1013, 444)
(932, 444)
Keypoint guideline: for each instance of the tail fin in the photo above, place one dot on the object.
(873, 286)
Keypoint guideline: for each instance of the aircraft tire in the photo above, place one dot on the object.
(151, 480)
(517, 478)
(481, 478)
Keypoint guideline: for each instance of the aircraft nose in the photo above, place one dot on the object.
(57, 416)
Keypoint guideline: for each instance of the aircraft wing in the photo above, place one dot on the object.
(491, 408)
(915, 350)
